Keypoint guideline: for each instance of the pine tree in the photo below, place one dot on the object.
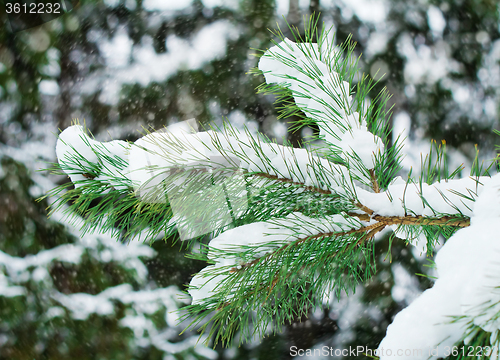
(287, 226)
(64, 294)
(35, 324)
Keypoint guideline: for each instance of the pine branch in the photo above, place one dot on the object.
(414, 220)
(279, 217)
(369, 231)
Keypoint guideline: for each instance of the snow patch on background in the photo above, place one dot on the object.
(127, 64)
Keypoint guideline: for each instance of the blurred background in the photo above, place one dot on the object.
(120, 65)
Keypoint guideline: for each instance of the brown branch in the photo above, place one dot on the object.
(263, 258)
(308, 238)
(387, 220)
(375, 228)
(362, 217)
(375, 186)
(370, 230)
(364, 208)
(379, 227)
(421, 220)
(88, 176)
(413, 220)
(275, 281)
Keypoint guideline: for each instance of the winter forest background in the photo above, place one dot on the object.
(125, 64)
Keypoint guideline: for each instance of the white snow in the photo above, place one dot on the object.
(467, 263)
(436, 20)
(405, 287)
(263, 237)
(148, 162)
(377, 43)
(441, 197)
(230, 4)
(118, 50)
(76, 150)
(141, 64)
(9, 290)
(48, 87)
(307, 70)
(204, 284)
(468, 281)
(426, 64)
(162, 5)
(374, 11)
(272, 234)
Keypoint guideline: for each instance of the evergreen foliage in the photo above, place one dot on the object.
(278, 258)
(444, 79)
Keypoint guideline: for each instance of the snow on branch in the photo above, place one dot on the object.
(290, 225)
(173, 168)
(466, 290)
(246, 246)
(315, 74)
(408, 198)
